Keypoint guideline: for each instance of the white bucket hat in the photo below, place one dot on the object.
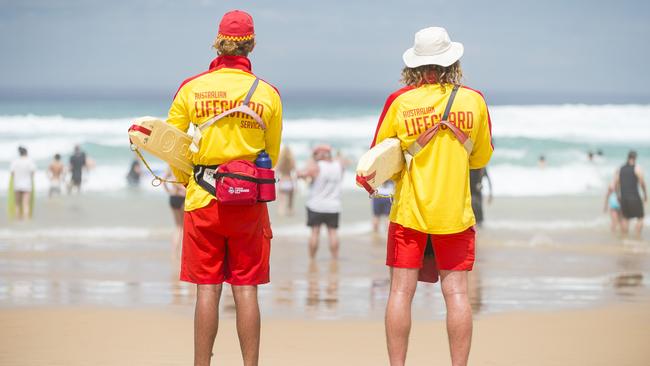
(432, 46)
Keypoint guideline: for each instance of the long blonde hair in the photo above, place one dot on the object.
(286, 161)
(432, 74)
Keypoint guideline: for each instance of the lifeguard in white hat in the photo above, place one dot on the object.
(444, 128)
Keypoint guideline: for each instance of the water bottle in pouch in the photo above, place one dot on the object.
(266, 177)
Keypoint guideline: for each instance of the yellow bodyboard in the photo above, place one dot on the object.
(381, 162)
(163, 141)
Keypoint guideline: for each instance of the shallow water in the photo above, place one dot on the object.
(113, 250)
(136, 273)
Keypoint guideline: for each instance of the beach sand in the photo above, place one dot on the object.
(91, 280)
(612, 335)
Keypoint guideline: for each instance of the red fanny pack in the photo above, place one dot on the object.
(236, 183)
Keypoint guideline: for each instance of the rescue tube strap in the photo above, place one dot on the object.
(428, 135)
(139, 128)
(243, 108)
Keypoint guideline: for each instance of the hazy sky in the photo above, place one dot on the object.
(511, 47)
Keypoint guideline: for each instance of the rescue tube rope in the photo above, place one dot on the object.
(157, 180)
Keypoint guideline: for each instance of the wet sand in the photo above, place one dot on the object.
(92, 278)
(613, 335)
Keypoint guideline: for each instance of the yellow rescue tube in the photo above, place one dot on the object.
(163, 141)
(379, 164)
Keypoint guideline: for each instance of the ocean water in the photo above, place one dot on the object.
(562, 133)
(545, 244)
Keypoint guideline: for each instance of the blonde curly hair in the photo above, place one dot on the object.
(432, 74)
(230, 47)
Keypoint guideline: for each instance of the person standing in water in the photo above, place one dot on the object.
(286, 182)
(433, 205)
(381, 205)
(22, 174)
(613, 206)
(628, 180)
(134, 174)
(176, 203)
(78, 163)
(226, 243)
(55, 172)
(324, 200)
(476, 189)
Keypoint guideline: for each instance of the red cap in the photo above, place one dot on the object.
(236, 25)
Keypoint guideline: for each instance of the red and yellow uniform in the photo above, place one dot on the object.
(433, 196)
(210, 228)
(235, 137)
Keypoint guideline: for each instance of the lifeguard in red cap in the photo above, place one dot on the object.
(445, 129)
(221, 242)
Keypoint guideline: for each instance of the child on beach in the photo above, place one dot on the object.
(613, 207)
(22, 174)
(55, 173)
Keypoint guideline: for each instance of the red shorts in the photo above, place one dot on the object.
(452, 252)
(226, 244)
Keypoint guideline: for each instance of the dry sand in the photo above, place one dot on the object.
(613, 335)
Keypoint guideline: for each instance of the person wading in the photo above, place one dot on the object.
(432, 204)
(627, 181)
(226, 243)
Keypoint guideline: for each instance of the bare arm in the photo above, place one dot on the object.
(489, 185)
(639, 175)
(617, 183)
(610, 189)
(310, 171)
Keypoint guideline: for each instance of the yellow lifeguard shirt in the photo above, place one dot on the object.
(223, 87)
(433, 196)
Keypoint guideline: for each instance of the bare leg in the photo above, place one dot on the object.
(459, 315)
(624, 226)
(398, 313)
(333, 236)
(375, 224)
(313, 241)
(639, 227)
(248, 323)
(206, 322)
(282, 203)
(290, 203)
(177, 237)
(615, 220)
(27, 209)
(18, 199)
